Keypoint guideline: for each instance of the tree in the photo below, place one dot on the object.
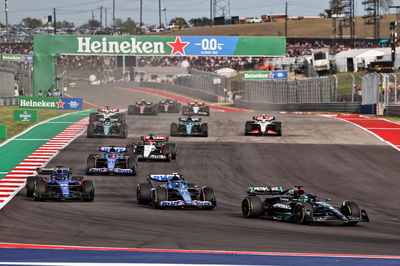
(65, 24)
(31, 22)
(198, 22)
(92, 23)
(128, 26)
(118, 22)
(179, 21)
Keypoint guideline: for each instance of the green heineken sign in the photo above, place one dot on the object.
(17, 57)
(38, 102)
(3, 131)
(48, 46)
(263, 75)
(25, 115)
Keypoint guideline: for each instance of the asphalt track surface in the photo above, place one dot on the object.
(327, 156)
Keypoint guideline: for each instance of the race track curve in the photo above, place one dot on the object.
(328, 157)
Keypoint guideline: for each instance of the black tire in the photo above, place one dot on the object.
(350, 208)
(278, 128)
(90, 131)
(38, 190)
(178, 108)
(160, 194)
(207, 194)
(92, 117)
(155, 112)
(132, 164)
(167, 151)
(303, 212)
(207, 109)
(173, 150)
(121, 118)
(123, 130)
(88, 189)
(129, 150)
(143, 193)
(252, 207)
(30, 185)
(204, 130)
(185, 110)
(173, 130)
(248, 127)
(131, 109)
(90, 162)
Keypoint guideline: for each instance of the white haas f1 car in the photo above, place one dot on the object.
(196, 108)
(107, 112)
(153, 148)
(263, 125)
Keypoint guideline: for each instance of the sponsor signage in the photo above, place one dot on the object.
(17, 57)
(51, 103)
(263, 75)
(25, 115)
(3, 131)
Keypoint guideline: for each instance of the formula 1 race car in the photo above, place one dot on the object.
(153, 148)
(58, 183)
(296, 206)
(107, 128)
(189, 126)
(143, 108)
(169, 106)
(171, 190)
(107, 112)
(196, 108)
(112, 160)
(263, 125)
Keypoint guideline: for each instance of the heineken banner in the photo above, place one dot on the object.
(48, 46)
(25, 115)
(17, 57)
(262, 75)
(3, 131)
(51, 103)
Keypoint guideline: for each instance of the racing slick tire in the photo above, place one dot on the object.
(90, 163)
(173, 151)
(204, 130)
(278, 128)
(155, 110)
(248, 127)
(178, 108)
(207, 110)
(143, 193)
(88, 189)
(92, 117)
(160, 194)
(30, 185)
(303, 212)
(121, 118)
(90, 131)
(207, 194)
(252, 207)
(173, 130)
(185, 110)
(129, 150)
(132, 164)
(123, 129)
(350, 208)
(38, 190)
(131, 109)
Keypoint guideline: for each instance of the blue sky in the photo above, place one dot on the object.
(79, 11)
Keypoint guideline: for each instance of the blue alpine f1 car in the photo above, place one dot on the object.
(58, 183)
(171, 190)
(111, 160)
(189, 126)
(295, 205)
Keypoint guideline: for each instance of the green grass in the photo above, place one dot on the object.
(345, 82)
(13, 128)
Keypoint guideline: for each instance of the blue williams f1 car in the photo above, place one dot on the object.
(112, 160)
(189, 126)
(296, 206)
(58, 183)
(171, 190)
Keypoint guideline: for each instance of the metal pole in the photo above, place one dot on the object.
(211, 11)
(6, 10)
(159, 13)
(352, 87)
(141, 16)
(286, 18)
(55, 21)
(105, 17)
(114, 15)
(101, 16)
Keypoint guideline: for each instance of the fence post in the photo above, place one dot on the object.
(352, 87)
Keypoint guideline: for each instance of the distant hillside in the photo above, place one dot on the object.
(317, 28)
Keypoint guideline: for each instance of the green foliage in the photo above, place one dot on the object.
(128, 26)
(92, 23)
(31, 23)
(65, 24)
(179, 21)
(198, 22)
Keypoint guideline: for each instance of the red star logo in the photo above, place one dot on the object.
(60, 104)
(271, 76)
(178, 46)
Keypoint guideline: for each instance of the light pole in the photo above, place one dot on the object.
(6, 10)
(165, 15)
(159, 13)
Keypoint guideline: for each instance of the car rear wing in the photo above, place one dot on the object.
(269, 118)
(52, 170)
(194, 119)
(108, 109)
(264, 190)
(109, 149)
(154, 138)
(160, 177)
